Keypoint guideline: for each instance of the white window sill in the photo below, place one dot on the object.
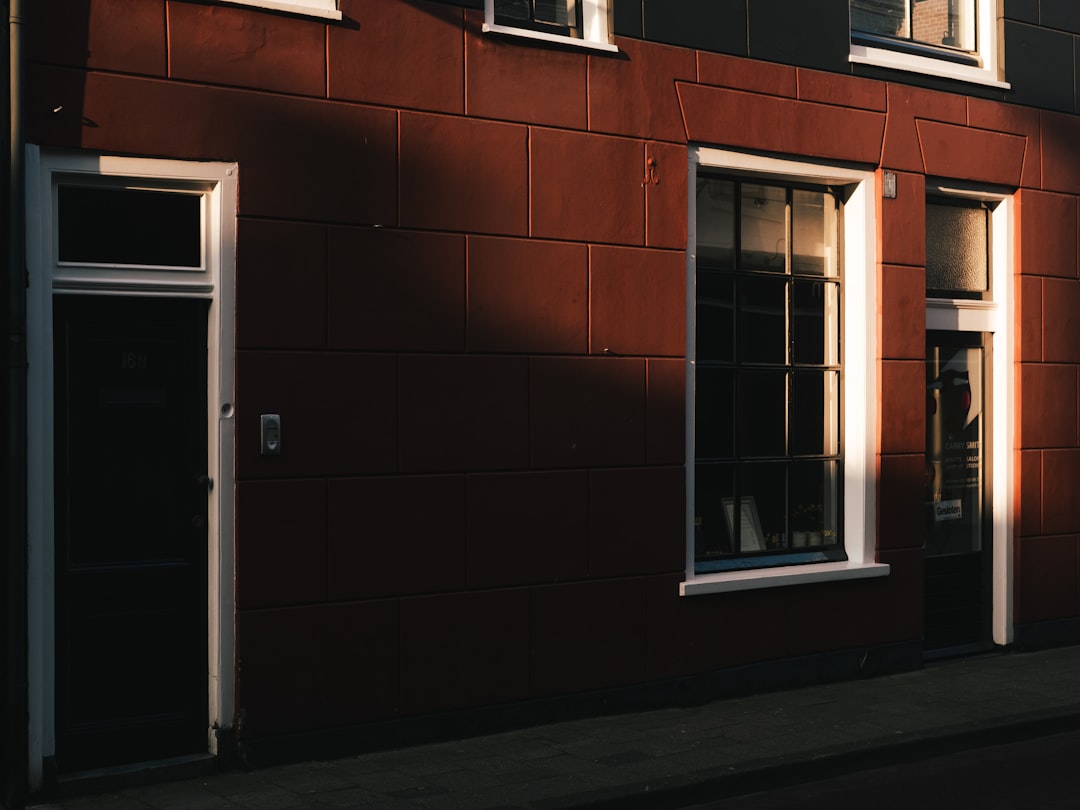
(912, 63)
(526, 33)
(780, 577)
(323, 9)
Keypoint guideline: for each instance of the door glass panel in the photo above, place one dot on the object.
(955, 451)
(957, 255)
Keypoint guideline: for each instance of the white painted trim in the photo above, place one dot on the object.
(858, 364)
(218, 184)
(994, 317)
(988, 72)
(324, 9)
(595, 23)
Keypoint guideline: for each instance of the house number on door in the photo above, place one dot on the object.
(133, 361)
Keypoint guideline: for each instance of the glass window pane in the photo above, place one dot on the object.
(815, 413)
(813, 237)
(764, 228)
(816, 323)
(762, 413)
(762, 319)
(552, 11)
(944, 22)
(715, 223)
(513, 9)
(956, 248)
(714, 484)
(128, 226)
(888, 18)
(763, 501)
(715, 317)
(714, 422)
(815, 519)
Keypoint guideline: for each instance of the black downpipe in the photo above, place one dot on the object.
(15, 716)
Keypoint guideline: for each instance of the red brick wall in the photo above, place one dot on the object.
(461, 282)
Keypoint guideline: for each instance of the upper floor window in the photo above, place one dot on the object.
(583, 23)
(952, 38)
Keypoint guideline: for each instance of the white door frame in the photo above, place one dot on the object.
(216, 184)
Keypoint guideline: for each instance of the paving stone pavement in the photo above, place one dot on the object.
(664, 758)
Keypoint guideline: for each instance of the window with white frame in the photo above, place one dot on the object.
(327, 9)
(780, 368)
(582, 23)
(952, 38)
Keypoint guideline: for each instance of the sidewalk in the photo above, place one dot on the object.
(670, 757)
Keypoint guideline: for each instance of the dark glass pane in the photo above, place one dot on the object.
(552, 11)
(714, 485)
(762, 319)
(715, 317)
(815, 413)
(816, 322)
(763, 498)
(764, 228)
(715, 223)
(714, 418)
(956, 248)
(887, 18)
(815, 519)
(513, 9)
(127, 226)
(762, 414)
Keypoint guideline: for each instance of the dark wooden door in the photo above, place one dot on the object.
(131, 529)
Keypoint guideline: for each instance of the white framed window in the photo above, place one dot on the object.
(781, 373)
(326, 9)
(579, 23)
(956, 39)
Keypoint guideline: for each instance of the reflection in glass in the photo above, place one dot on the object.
(762, 319)
(715, 223)
(764, 228)
(887, 18)
(957, 253)
(813, 487)
(816, 338)
(813, 233)
(945, 23)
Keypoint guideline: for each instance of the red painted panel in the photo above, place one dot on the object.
(528, 528)
(395, 535)
(280, 543)
(366, 53)
(395, 290)
(903, 313)
(247, 47)
(464, 650)
(841, 90)
(901, 146)
(280, 285)
(1029, 319)
(120, 35)
(588, 635)
(1048, 414)
(1022, 121)
(587, 412)
(733, 118)
(587, 187)
(665, 195)
(463, 174)
(752, 75)
(511, 81)
(638, 301)
(1047, 226)
(1030, 495)
(637, 521)
(665, 411)
(971, 154)
(463, 413)
(632, 93)
(901, 494)
(1060, 506)
(903, 406)
(834, 616)
(528, 296)
(316, 667)
(338, 413)
(1061, 320)
(903, 222)
(898, 615)
(1048, 578)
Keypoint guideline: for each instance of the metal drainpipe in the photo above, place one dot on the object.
(16, 720)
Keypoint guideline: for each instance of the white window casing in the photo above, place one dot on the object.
(596, 24)
(324, 9)
(858, 361)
